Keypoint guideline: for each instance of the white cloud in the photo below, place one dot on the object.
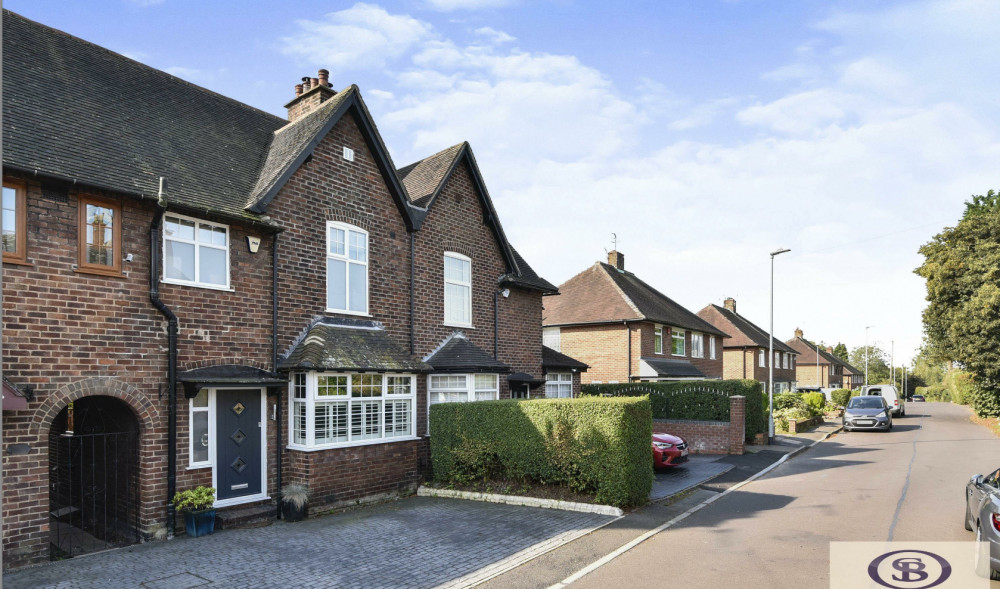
(451, 5)
(359, 37)
(494, 35)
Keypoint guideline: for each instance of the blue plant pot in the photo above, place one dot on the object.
(199, 523)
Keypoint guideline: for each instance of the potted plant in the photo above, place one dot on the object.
(198, 507)
(294, 502)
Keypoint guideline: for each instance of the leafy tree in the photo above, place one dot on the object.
(878, 363)
(927, 367)
(840, 351)
(962, 320)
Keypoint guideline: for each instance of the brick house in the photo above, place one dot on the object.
(197, 292)
(816, 366)
(625, 330)
(745, 353)
(853, 378)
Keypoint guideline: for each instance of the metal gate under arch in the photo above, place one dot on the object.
(93, 478)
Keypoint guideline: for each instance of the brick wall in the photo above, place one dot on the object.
(68, 334)
(710, 437)
(603, 347)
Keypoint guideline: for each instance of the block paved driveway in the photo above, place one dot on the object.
(415, 542)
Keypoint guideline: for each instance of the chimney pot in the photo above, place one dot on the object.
(298, 89)
(730, 304)
(616, 259)
(798, 332)
(315, 82)
(324, 77)
(306, 84)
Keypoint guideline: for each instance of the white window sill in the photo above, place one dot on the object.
(198, 285)
(679, 355)
(242, 500)
(301, 448)
(343, 312)
(199, 466)
(459, 325)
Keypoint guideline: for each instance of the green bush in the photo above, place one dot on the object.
(591, 445)
(196, 499)
(961, 387)
(840, 397)
(703, 400)
(815, 403)
(984, 401)
(789, 401)
(937, 393)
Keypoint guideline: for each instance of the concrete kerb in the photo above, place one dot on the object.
(613, 555)
(424, 491)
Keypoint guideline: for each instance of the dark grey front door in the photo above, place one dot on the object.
(238, 443)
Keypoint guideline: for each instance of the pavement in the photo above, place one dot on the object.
(414, 542)
(903, 485)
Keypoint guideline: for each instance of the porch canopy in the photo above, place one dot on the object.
(13, 398)
(459, 355)
(227, 376)
(663, 368)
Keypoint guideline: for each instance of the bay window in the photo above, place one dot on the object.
(346, 269)
(330, 410)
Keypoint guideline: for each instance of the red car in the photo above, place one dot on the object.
(669, 450)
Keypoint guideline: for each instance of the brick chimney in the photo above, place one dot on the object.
(309, 94)
(829, 349)
(730, 304)
(798, 332)
(616, 259)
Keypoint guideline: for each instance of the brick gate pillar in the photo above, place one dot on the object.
(737, 423)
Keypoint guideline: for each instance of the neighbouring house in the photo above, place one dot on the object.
(853, 378)
(562, 374)
(625, 330)
(816, 365)
(745, 353)
(197, 292)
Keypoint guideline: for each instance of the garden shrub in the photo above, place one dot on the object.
(590, 445)
(815, 403)
(840, 397)
(781, 417)
(704, 400)
(789, 401)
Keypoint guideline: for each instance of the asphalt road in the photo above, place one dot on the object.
(907, 484)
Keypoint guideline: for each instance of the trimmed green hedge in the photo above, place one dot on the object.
(591, 445)
(703, 400)
(841, 397)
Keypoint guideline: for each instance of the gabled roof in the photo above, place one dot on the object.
(604, 294)
(554, 359)
(458, 354)
(78, 112)
(807, 353)
(348, 345)
(424, 180)
(669, 368)
(743, 332)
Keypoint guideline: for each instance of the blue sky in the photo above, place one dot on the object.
(705, 133)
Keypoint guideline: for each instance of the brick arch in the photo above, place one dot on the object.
(225, 361)
(457, 247)
(364, 220)
(143, 408)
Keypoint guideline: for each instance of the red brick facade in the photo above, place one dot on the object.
(68, 334)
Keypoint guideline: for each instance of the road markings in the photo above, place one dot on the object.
(620, 551)
(906, 485)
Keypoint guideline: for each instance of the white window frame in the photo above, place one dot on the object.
(785, 360)
(209, 410)
(658, 339)
(559, 380)
(697, 345)
(197, 258)
(346, 258)
(711, 347)
(762, 358)
(552, 338)
(444, 288)
(313, 397)
(469, 389)
(673, 337)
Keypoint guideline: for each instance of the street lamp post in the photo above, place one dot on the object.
(770, 361)
(867, 353)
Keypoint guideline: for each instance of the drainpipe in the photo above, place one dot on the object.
(274, 361)
(628, 334)
(412, 238)
(496, 324)
(154, 297)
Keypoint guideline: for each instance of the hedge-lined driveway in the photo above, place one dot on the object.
(415, 542)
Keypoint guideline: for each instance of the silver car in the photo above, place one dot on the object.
(867, 413)
(982, 514)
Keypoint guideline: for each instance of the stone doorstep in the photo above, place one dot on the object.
(423, 491)
(252, 516)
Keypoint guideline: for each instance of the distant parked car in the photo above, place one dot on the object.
(669, 450)
(918, 398)
(982, 515)
(867, 413)
(891, 395)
